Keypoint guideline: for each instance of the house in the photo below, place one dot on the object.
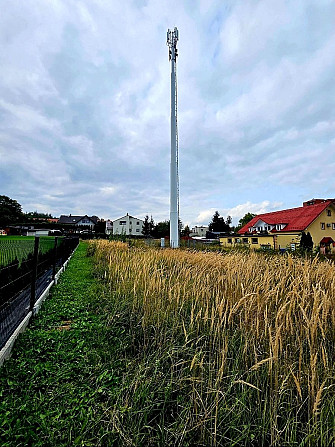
(199, 231)
(128, 226)
(109, 227)
(36, 232)
(79, 221)
(283, 229)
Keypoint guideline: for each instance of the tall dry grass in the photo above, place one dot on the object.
(243, 343)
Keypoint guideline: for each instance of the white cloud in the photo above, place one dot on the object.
(238, 211)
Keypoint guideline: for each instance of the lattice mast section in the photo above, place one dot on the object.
(172, 39)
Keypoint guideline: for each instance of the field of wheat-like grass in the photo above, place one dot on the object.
(226, 349)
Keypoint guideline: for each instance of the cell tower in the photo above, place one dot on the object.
(172, 39)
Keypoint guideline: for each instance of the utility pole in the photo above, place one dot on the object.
(172, 39)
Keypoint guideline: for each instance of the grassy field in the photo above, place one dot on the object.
(232, 349)
(149, 347)
(19, 247)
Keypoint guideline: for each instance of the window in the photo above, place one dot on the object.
(245, 240)
(230, 240)
(254, 240)
(237, 240)
(322, 225)
(122, 222)
(137, 230)
(137, 223)
(329, 213)
(333, 226)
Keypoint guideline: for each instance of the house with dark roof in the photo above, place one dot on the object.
(79, 221)
(283, 229)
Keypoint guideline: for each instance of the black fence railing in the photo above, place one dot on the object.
(23, 280)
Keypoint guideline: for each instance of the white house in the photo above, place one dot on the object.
(109, 227)
(128, 225)
(199, 231)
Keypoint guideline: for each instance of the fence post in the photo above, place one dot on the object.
(34, 273)
(55, 259)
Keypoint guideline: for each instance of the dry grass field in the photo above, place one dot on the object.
(227, 349)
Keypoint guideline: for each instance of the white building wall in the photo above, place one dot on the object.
(128, 225)
(109, 227)
(199, 231)
(85, 222)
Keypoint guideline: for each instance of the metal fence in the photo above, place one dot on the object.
(23, 281)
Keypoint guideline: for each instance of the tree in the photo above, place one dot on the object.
(10, 211)
(162, 229)
(306, 242)
(186, 231)
(100, 227)
(148, 226)
(218, 224)
(35, 215)
(244, 220)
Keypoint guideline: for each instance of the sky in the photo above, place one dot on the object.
(85, 106)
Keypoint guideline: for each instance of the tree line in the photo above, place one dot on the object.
(218, 224)
(11, 213)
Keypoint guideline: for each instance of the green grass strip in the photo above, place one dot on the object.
(57, 388)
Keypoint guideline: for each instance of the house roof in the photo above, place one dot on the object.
(125, 217)
(75, 219)
(326, 240)
(295, 219)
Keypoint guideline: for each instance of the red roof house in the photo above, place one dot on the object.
(294, 219)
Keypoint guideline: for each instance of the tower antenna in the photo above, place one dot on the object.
(172, 39)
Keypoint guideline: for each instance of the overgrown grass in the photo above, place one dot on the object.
(230, 349)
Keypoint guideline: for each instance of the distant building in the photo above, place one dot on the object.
(79, 221)
(199, 231)
(36, 232)
(109, 227)
(128, 225)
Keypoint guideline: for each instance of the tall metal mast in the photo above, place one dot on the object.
(172, 39)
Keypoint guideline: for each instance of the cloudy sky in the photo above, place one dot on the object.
(85, 104)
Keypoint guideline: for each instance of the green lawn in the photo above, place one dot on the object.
(57, 388)
(16, 238)
(19, 247)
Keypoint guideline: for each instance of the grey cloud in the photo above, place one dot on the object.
(85, 104)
